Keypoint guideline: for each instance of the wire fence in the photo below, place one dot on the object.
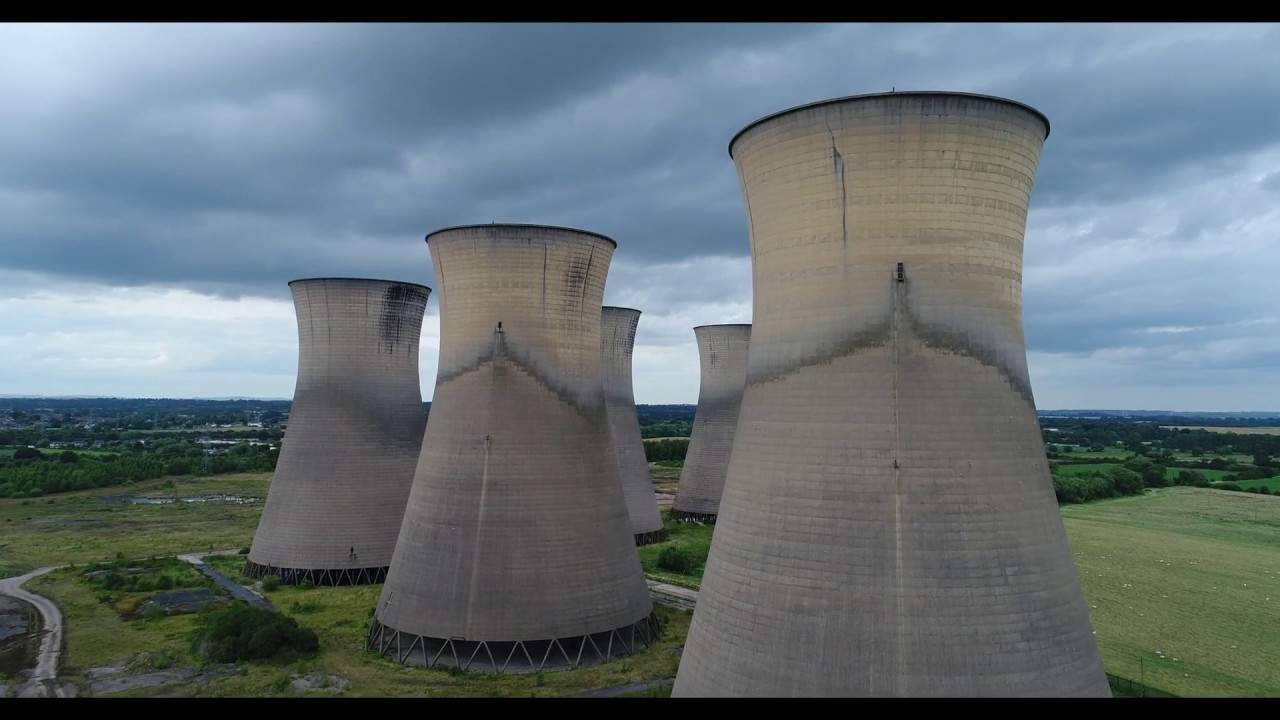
(1124, 687)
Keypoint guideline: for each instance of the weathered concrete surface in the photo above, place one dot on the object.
(722, 355)
(41, 682)
(355, 428)
(617, 340)
(516, 528)
(889, 526)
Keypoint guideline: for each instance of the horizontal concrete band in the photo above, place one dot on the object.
(319, 576)
(519, 656)
(687, 516)
(649, 538)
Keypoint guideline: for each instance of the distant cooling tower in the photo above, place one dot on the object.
(722, 353)
(617, 339)
(516, 552)
(355, 427)
(889, 526)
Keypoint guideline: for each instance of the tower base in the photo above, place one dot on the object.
(523, 656)
(295, 576)
(686, 516)
(651, 537)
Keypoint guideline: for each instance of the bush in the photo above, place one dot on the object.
(244, 551)
(306, 585)
(677, 559)
(243, 632)
(270, 583)
(154, 612)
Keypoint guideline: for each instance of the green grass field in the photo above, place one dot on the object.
(1171, 473)
(81, 527)
(46, 531)
(1272, 484)
(96, 637)
(696, 539)
(1184, 588)
(1188, 572)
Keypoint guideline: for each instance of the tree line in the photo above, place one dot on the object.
(33, 473)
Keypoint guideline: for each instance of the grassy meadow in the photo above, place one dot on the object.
(1183, 586)
(89, 526)
(44, 531)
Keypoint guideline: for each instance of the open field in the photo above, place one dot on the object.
(1272, 484)
(45, 531)
(1116, 453)
(1171, 473)
(1238, 430)
(665, 478)
(90, 526)
(689, 537)
(98, 638)
(1184, 588)
(1192, 573)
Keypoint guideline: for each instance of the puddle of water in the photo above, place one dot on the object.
(136, 500)
(20, 637)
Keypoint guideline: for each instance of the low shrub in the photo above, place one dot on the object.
(677, 559)
(242, 632)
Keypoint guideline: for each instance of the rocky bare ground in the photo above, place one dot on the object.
(108, 680)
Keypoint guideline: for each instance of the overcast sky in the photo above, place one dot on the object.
(161, 184)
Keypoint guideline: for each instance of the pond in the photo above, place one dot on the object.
(139, 500)
(20, 636)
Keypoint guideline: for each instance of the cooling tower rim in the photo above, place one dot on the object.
(619, 307)
(867, 96)
(358, 279)
(720, 325)
(536, 226)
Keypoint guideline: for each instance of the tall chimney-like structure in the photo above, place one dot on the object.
(516, 551)
(722, 354)
(617, 340)
(355, 428)
(889, 525)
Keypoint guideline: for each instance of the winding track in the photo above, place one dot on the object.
(46, 671)
(42, 679)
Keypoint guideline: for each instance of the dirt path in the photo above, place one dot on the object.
(42, 682)
(42, 679)
(235, 588)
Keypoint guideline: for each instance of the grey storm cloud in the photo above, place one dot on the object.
(230, 159)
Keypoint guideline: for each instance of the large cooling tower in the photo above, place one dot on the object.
(888, 525)
(516, 551)
(355, 427)
(722, 354)
(617, 339)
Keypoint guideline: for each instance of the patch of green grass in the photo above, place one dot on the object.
(1117, 453)
(80, 527)
(689, 540)
(1184, 588)
(1272, 484)
(340, 616)
(1083, 469)
(96, 636)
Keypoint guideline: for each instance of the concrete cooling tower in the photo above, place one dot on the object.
(617, 339)
(722, 354)
(889, 526)
(516, 551)
(355, 427)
